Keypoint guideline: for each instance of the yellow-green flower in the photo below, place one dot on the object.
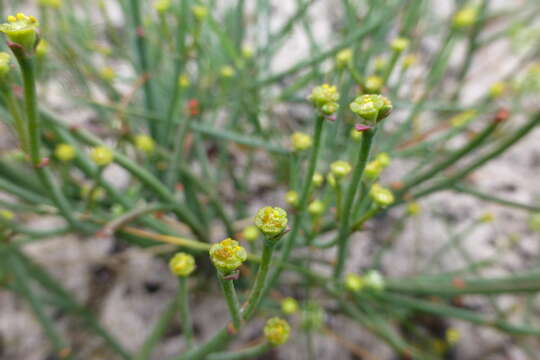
(162, 6)
(22, 30)
(340, 169)
(465, 17)
(373, 170)
(291, 197)
(183, 81)
(107, 73)
(372, 108)
(247, 52)
(277, 331)
(145, 143)
(383, 158)
(486, 217)
(497, 89)
(4, 64)
(182, 264)
(200, 12)
(42, 48)
(317, 179)
(250, 233)
(409, 60)
(373, 84)
(227, 255)
(101, 155)
(399, 44)
(452, 336)
(316, 208)
(356, 135)
(227, 71)
(374, 280)
(325, 98)
(6, 214)
(271, 221)
(381, 196)
(353, 282)
(344, 58)
(414, 208)
(289, 306)
(50, 3)
(301, 141)
(65, 152)
(331, 179)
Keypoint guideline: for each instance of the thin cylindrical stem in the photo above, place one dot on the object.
(232, 301)
(185, 315)
(260, 281)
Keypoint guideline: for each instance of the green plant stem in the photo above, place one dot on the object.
(253, 352)
(344, 224)
(497, 200)
(14, 110)
(227, 285)
(257, 291)
(185, 314)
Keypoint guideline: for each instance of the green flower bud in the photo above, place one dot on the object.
(277, 331)
(183, 81)
(301, 141)
(374, 280)
(373, 84)
(353, 282)
(316, 208)
(497, 89)
(200, 12)
(6, 214)
(250, 233)
(21, 30)
(383, 159)
(182, 264)
(344, 58)
(373, 170)
(414, 208)
(325, 98)
(271, 221)
(145, 143)
(65, 152)
(331, 179)
(452, 336)
(101, 155)
(400, 44)
(317, 179)
(372, 108)
(340, 169)
(4, 64)
(227, 71)
(42, 48)
(289, 305)
(162, 6)
(465, 17)
(107, 73)
(381, 196)
(356, 135)
(227, 256)
(291, 197)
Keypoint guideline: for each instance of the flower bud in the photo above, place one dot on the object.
(4, 64)
(374, 280)
(452, 336)
(271, 221)
(317, 179)
(145, 143)
(250, 233)
(356, 135)
(486, 218)
(353, 282)
(381, 196)
(247, 52)
(373, 170)
(227, 71)
(182, 264)
(383, 158)
(316, 208)
(101, 155)
(497, 89)
(162, 6)
(65, 152)
(200, 12)
(340, 169)
(373, 84)
(414, 208)
(399, 44)
(409, 60)
(344, 58)
(301, 141)
(289, 305)
(291, 197)
(465, 17)
(107, 73)
(55, 4)
(325, 98)
(42, 48)
(21, 30)
(277, 331)
(372, 108)
(183, 81)
(6, 214)
(227, 256)
(331, 179)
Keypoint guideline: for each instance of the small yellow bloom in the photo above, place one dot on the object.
(465, 17)
(51, 3)
(399, 44)
(383, 158)
(353, 282)
(372, 108)
(183, 81)
(316, 208)
(250, 233)
(65, 152)
(4, 64)
(301, 141)
(344, 58)
(227, 255)
(277, 331)
(325, 98)
(271, 221)
(162, 6)
(227, 71)
(6, 214)
(200, 12)
(373, 84)
(317, 179)
(98, 193)
(101, 155)
(107, 73)
(373, 170)
(414, 208)
(291, 197)
(486, 217)
(145, 143)
(356, 135)
(340, 169)
(452, 336)
(182, 264)
(289, 306)
(247, 52)
(381, 196)
(497, 89)
(22, 30)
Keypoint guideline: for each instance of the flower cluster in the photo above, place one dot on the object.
(271, 221)
(301, 141)
(21, 30)
(325, 98)
(277, 331)
(381, 196)
(375, 167)
(227, 256)
(372, 108)
(182, 264)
